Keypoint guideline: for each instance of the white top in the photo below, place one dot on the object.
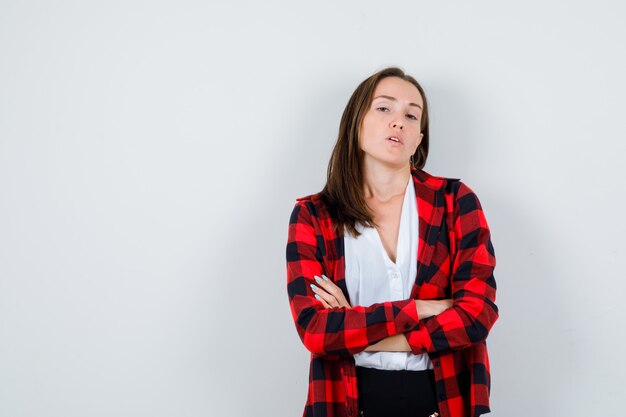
(371, 277)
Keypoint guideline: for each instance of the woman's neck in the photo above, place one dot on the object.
(382, 182)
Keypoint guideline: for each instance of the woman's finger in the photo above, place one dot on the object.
(331, 288)
(324, 295)
(324, 303)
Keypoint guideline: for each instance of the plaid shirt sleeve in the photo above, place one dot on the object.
(473, 286)
(343, 331)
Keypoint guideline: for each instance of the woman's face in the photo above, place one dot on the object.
(390, 131)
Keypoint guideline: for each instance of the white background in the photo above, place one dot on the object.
(151, 153)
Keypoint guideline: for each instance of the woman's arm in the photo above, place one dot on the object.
(331, 296)
(341, 330)
(399, 342)
(473, 286)
(395, 343)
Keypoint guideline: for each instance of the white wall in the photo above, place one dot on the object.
(151, 152)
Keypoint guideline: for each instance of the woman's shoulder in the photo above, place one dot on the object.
(436, 182)
(454, 187)
(313, 199)
(309, 197)
(313, 204)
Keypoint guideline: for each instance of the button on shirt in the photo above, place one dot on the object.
(371, 277)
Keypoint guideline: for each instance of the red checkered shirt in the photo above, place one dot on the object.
(455, 260)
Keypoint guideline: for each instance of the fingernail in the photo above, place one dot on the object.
(318, 279)
(325, 277)
(318, 297)
(314, 286)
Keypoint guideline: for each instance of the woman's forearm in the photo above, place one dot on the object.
(395, 343)
(398, 342)
(429, 308)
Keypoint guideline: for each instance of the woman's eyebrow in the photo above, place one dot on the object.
(394, 99)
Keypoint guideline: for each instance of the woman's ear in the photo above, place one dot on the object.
(419, 142)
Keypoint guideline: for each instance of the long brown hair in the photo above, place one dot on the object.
(343, 192)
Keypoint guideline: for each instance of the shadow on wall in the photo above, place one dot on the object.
(451, 118)
(534, 339)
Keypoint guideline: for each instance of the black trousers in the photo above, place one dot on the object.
(385, 393)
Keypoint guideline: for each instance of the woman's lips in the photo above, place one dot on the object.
(394, 140)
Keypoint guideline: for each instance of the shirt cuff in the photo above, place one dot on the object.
(404, 315)
(419, 340)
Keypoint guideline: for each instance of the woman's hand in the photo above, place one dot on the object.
(328, 293)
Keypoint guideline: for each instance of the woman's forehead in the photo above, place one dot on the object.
(398, 89)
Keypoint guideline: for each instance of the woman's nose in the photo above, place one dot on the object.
(396, 124)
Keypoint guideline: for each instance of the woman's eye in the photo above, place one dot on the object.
(382, 108)
(411, 116)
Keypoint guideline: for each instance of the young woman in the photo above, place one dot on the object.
(390, 270)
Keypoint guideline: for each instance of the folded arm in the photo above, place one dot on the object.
(331, 296)
(340, 330)
(398, 342)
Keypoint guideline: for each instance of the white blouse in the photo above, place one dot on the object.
(371, 277)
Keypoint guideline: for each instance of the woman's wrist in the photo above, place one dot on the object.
(429, 308)
(424, 309)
